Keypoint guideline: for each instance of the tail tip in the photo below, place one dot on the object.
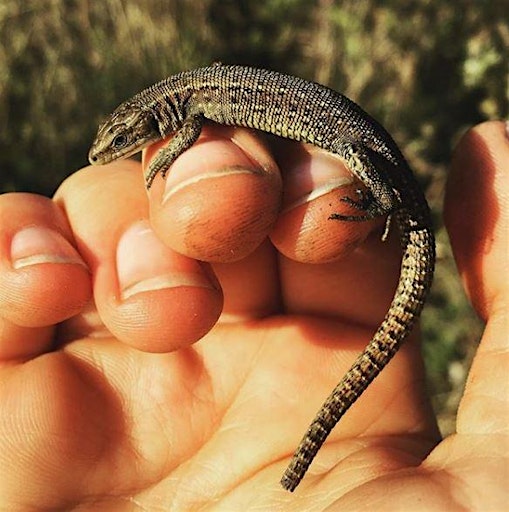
(290, 481)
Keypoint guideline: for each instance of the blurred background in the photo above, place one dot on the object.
(427, 69)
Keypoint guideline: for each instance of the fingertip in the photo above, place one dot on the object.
(166, 320)
(43, 279)
(159, 300)
(221, 197)
(308, 234)
(316, 181)
(44, 294)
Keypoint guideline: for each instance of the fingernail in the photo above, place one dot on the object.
(145, 264)
(37, 244)
(507, 129)
(317, 176)
(209, 159)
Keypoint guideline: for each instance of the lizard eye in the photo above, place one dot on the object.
(119, 141)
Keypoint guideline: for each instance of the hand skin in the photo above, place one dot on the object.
(112, 403)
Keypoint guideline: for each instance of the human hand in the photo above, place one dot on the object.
(113, 406)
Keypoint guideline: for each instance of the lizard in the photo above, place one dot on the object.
(305, 111)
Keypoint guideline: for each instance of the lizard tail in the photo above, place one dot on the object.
(415, 280)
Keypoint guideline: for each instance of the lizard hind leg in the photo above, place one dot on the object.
(379, 198)
(365, 202)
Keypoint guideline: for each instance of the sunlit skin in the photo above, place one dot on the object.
(120, 407)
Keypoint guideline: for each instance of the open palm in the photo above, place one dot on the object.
(109, 402)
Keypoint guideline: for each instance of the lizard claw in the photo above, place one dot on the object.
(365, 202)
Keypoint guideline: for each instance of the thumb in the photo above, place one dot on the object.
(477, 217)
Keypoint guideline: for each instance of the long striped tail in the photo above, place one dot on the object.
(417, 268)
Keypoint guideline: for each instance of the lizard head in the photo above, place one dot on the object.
(128, 130)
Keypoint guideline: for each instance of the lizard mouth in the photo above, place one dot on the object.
(100, 154)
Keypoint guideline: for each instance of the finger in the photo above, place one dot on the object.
(43, 279)
(353, 273)
(147, 294)
(477, 216)
(315, 181)
(220, 198)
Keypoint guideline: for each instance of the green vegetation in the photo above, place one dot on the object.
(428, 69)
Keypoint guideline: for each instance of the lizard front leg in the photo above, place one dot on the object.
(183, 139)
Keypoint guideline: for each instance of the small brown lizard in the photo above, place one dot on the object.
(304, 111)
